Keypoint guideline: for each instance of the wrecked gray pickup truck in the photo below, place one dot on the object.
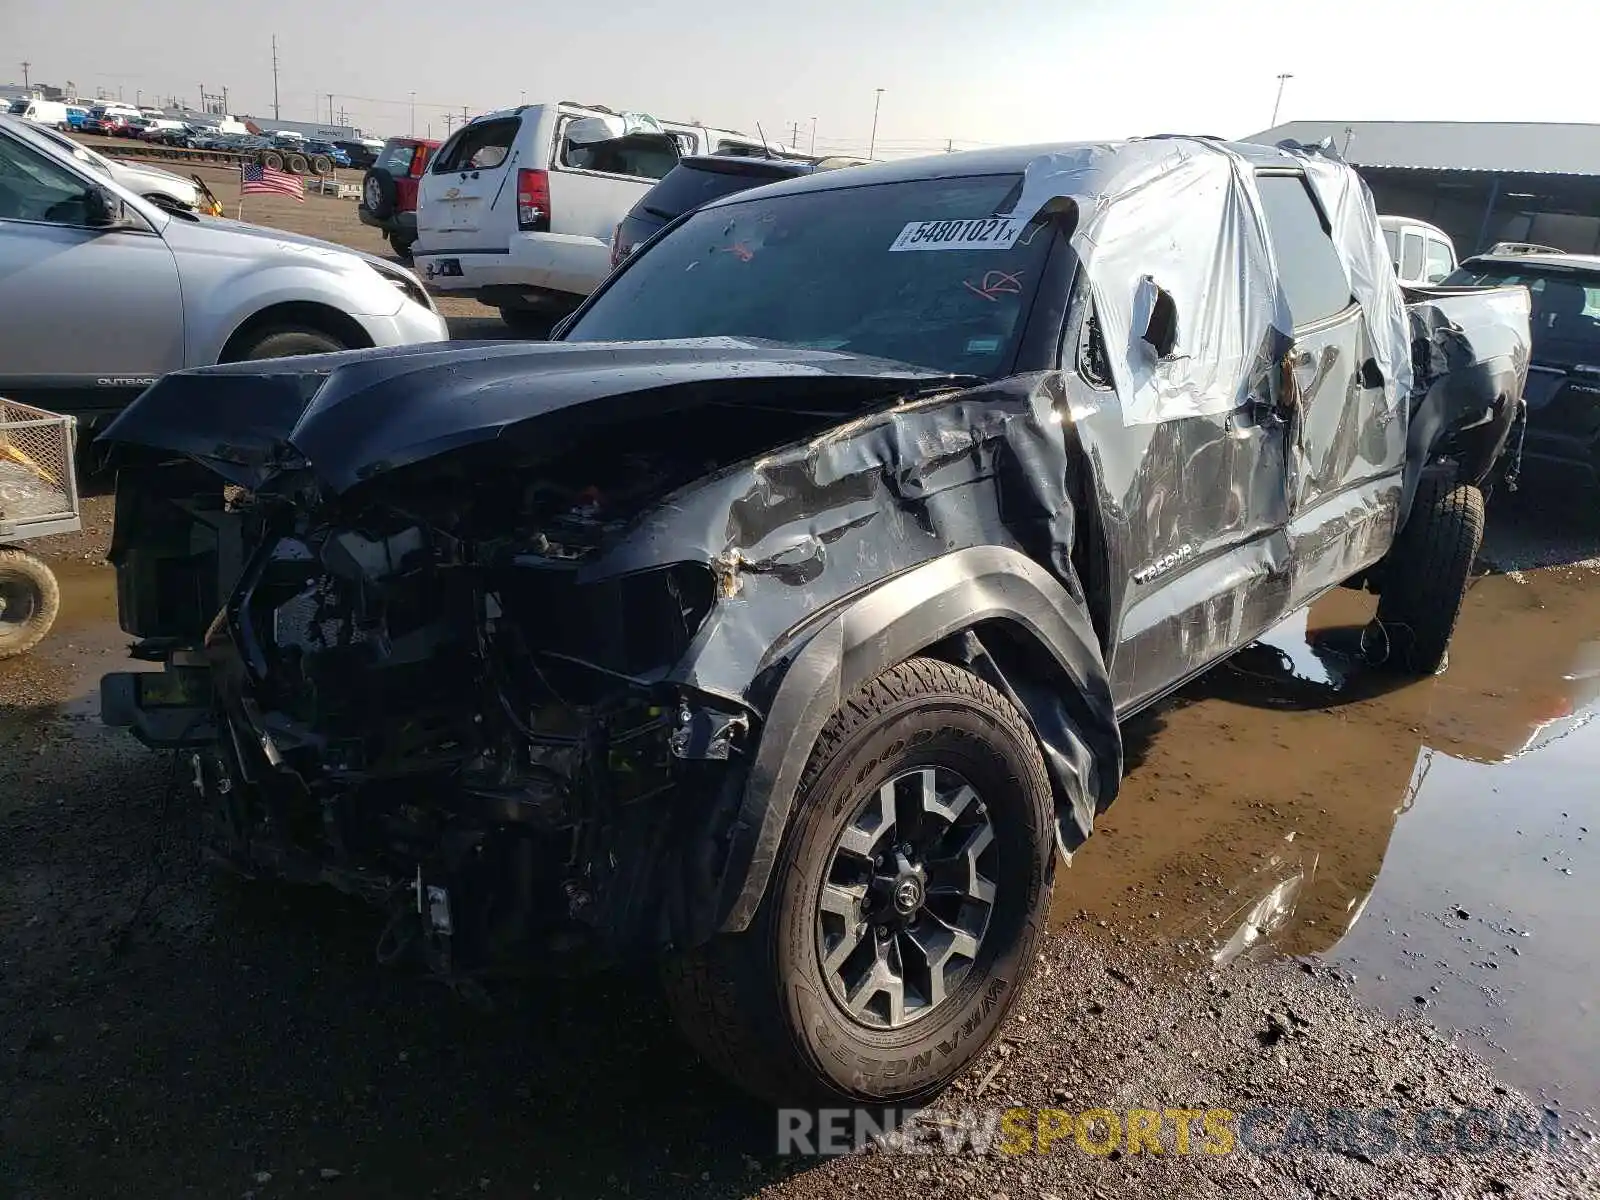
(777, 621)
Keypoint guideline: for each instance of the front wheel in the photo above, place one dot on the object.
(1430, 566)
(905, 909)
(287, 343)
(29, 601)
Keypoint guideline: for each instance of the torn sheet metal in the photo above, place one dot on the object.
(1358, 239)
(1192, 205)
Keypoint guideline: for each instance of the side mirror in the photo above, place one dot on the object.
(103, 209)
(1159, 312)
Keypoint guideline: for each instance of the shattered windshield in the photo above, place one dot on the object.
(920, 272)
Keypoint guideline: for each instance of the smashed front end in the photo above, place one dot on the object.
(434, 660)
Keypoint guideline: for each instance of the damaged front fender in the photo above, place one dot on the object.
(989, 595)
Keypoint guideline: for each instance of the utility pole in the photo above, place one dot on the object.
(949, 146)
(794, 136)
(463, 114)
(414, 117)
(813, 150)
(873, 144)
(448, 117)
(330, 108)
(1276, 104)
(274, 77)
(25, 65)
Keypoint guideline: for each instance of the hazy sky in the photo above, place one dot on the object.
(979, 74)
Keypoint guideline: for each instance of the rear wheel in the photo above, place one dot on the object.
(905, 908)
(321, 164)
(297, 164)
(29, 601)
(1426, 579)
(272, 159)
(286, 342)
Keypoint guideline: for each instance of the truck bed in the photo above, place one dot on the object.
(1469, 354)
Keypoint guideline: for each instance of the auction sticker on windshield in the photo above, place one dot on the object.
(977, 233)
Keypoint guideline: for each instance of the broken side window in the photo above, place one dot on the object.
(637, 156)
(1313, 279)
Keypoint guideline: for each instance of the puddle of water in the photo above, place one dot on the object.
(60, 677)
(1294, 801)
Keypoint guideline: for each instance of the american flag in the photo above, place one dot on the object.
(256, 179)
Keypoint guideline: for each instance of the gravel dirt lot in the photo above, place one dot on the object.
(168, 1032)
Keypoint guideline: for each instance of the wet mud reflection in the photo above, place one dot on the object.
(1429, 837)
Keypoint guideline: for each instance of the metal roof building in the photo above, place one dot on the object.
(1480, 181)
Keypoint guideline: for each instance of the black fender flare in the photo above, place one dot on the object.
(927, 605)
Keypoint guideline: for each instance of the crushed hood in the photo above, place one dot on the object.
(352, 416)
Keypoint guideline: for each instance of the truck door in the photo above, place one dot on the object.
(1194, 508)
(1346, 446)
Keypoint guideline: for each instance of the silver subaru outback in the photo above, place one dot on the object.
(103, 292)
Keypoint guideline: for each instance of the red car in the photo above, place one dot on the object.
(108, 125)
(389, 190)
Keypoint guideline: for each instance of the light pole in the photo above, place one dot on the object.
(813, 150)
(1276, 104)
(877, 99)
(413, 114)
(25, 66)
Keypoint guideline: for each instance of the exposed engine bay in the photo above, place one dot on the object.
(419, 697)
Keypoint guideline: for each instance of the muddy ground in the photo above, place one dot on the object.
(165, 1032)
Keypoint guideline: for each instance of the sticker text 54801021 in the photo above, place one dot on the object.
(976, 233)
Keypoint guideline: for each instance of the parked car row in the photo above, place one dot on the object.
(162, 188)
(775, 622)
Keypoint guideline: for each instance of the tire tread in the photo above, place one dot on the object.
(705, 984)
(1436, 550)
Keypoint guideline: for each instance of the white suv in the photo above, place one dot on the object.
(517, 209)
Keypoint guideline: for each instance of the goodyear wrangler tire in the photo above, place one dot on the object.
(1430, 567)
(921, 850)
